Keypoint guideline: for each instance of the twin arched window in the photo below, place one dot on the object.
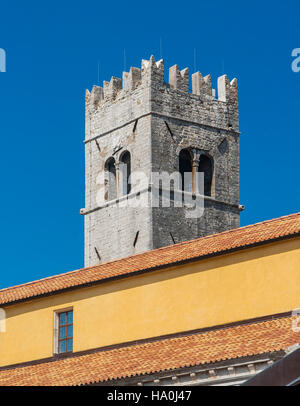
(117, 176)
(188, 166)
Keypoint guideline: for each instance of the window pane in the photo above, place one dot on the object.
(62, 318)
(70, 345)
(62, 346)
(65, 332)
(70, 331)
(62, 332)
(70, 317)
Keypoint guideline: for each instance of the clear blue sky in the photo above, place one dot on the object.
(53, 49)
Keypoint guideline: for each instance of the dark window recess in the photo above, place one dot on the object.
(65, 332)
(125, 169)
(206, 166)
(110, 167)
(185, 166)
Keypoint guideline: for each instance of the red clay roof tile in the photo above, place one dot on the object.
(195, 249)
(165, 354)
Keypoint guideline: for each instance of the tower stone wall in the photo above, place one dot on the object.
(154, 121)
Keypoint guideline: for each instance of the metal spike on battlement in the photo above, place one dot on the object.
(201, 85)
(179, 79)
(112, 88)
(131, 79)
(227, 91)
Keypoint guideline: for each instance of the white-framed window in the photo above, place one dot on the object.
(63, 331)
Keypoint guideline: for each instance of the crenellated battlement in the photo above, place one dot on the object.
(151, 67)
(201, 85)
(179, 79)
(152, 74)
(131, 79)
(227, 91)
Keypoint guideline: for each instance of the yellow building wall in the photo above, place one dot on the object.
(242, 285)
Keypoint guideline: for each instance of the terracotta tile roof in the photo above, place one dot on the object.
(164, 354)
(195, 249)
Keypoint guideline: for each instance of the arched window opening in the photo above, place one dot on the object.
(206, 166)
(125, 170)
(185, 166)
(111, 189)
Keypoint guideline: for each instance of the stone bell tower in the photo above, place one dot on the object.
(146, 125)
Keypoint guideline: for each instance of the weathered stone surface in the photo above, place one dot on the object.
(154, 121)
